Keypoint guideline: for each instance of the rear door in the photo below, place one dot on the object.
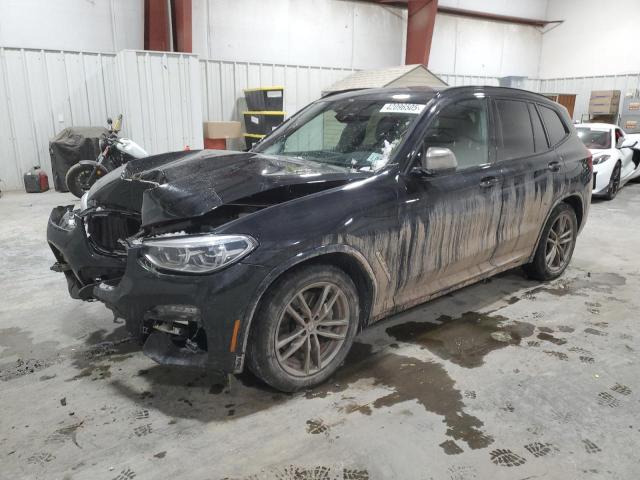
(531, 171)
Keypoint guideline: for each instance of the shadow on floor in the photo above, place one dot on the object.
(181, 392)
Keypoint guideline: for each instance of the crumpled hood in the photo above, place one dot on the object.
(188, 184)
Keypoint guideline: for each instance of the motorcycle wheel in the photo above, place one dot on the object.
(78, 179)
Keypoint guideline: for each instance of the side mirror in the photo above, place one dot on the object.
(439, 159)
(626, 143)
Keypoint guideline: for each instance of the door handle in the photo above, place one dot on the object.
(554, 166)
(487, 182)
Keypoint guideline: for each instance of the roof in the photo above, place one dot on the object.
(416, 93)
(403, 75)
(422, 92)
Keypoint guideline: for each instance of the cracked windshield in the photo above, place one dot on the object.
(358, 134)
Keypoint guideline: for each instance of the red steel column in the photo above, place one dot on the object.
(156, 25)
(182, 25)
(422, 17)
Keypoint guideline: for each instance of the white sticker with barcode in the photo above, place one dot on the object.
(255, 120)
(414, 108)
(274, 93)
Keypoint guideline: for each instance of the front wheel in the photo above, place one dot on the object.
(79, 178)
(614, 183)
(304, 328)
(556, 245)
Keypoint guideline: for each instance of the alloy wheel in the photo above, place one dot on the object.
(312, 329)
(559, 243)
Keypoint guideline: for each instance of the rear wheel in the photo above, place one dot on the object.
(556, 245)
(304, 328)
(614, 183)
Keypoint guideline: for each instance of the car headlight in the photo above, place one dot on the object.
(68, 220)
(197, 253)
(601, 159)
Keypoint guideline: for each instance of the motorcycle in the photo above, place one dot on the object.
(114, 152)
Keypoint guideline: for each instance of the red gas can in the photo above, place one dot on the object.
(36, 180)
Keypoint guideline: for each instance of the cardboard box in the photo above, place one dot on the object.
(222, 130)
(633, 106)
(604, 102)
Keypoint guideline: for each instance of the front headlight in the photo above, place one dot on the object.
(68, 220)
(197, 253)
(601, 159)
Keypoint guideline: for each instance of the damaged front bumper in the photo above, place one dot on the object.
(195, 320)
(83, 265)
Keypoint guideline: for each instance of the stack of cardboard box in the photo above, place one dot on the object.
(604, 102)
(216, 134)
(630, 112)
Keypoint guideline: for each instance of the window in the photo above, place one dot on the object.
(463, 128)
(515, 126)
(597, 139)
(352, 133)
(556, 128)
(539, 139)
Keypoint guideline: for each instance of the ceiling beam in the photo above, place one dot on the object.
(182, 25)
(156, 25)
(461, 12)
(420, 23)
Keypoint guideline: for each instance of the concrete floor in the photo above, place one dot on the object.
(504, 379)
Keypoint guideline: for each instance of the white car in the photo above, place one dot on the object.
(616, 156)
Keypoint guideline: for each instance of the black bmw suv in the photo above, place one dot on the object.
(361, 205)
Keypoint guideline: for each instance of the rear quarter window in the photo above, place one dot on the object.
(556, 129)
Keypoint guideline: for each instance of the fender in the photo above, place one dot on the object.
(93, 163)
(274, 274)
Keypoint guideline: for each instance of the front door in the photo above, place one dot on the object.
(450, 220)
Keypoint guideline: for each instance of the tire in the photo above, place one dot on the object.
(275, 322)
(541, 268)
(77, 179)
(614, 183)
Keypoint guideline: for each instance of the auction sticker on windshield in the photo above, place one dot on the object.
(415, 108)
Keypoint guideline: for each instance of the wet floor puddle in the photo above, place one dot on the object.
(604, 282)
(465, 340)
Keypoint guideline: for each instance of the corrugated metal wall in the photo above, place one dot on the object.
(165, 96)
(223, 84)
(161, 99)
(43, 92)
(582, 87)
(460, 80)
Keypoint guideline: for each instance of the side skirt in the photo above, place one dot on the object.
(433, 296)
